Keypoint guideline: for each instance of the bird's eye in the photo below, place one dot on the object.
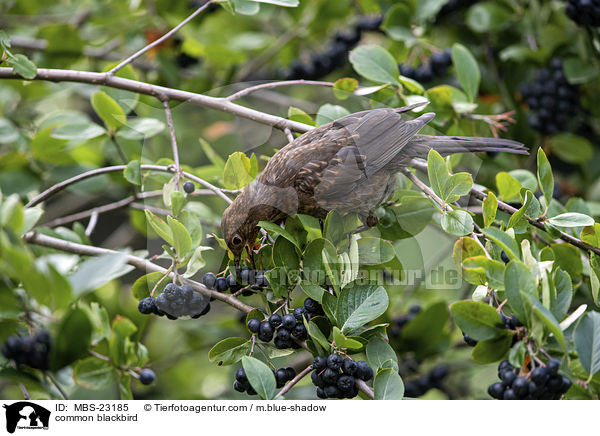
(236, 240)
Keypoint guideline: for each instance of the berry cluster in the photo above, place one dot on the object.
(288, 327)
(584, 12)
(331, 383)
(321, 64)
(551, 98)
(400, 321)
(544, 383)
(282, 376)
(32, 351)
(434, 379)
(175, 301)
(147, 376)
(248, 277)
(436, 67)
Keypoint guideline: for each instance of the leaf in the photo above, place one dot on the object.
(278, 230)
(380, 353)
(571, 219)
(516, 217)
(236, 174)
(508, 186)
(587, 342)
(132, 173)
(343, 342)
(428, 9)
(260, 376)
(388, 385)
(142, 286)
(182, 241)
(23, 66)
(108, 110)
(98, 271)
(81, 131)
(467, 70)
(571, 148)
(296, 114)
(329, 112)
(313, 291)
(315, 332)
(178, 201)
(568, 257)
(73, 339)
(488, 17)
(591, 235)
(229, 351)
(465, 248)
(437, 171)
(547, 319)
(285, 255)
(492, 350)
(478, 320)
(457, 222)
(125, 387)
(160, 227)
(545, 177)
(460, 184)
(490, 207)
(359, 304)
(344, 87)
(518, 278)
(579, 71)
(374, 251)
(374, 63)
(141, 128)
(196, 262)
(93, 373)
(505, 241)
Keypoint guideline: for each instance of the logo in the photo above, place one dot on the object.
(26, 415)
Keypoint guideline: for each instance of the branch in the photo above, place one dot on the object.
(169, 116)
(365, 389)
(167, 35)
(293, 382)
(271, 85)
(138, 262)
(62, 185)
(220, 104)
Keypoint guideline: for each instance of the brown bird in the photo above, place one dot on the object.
(348, 165)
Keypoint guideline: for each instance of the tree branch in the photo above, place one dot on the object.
(169, 117)
(138, 262)
(271, 85)
(167, 35)
(220, 104)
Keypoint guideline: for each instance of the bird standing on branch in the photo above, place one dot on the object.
(348, 165)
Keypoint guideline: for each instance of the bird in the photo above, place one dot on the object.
(348, 165)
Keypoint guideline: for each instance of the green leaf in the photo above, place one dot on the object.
(196, 262)
(388, 385)
(73, 339)
(380, 355)
(591, 235)
(397, 23)
(492, 350)
(488, 17)
(477, 320)
(141, 128)
(374, 63)
(508, 186)
(296, 114)
(11, 213)
(359, 304)
(260, 376)
(285, 255)
(142, 286)
(236, 174)
(464, 249)
(48, 149)
(132, 173)
(490, 207)
(125, 387)
(544, 175)
(518, 278)
(595, 276)
(437, 171)
(548, 320)
(568, 257)
(493, 269)
(517, 354)
(571, 219)
(108, 110)
(460, 184)
(81, 131)
(504, 240)
(178, 200)
(412, 214)
(428, 9)
(315, 332)
(374, 251)
(343, 342)
(344, 87)
(182, 241)
(329, 112)
(278, 230)
(160, 227)
(579, 71)
(517, 217)
(587, 342)
(571, 148)
(313, 291)
(93, 373)
(229, 351)
(457, 222)
(98, 271)
(467, 70)
(23, 66)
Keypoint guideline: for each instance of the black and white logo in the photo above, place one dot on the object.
(24, 415)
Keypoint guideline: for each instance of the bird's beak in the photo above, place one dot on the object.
(251, 256)
(236, 261)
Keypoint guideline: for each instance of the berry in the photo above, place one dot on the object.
(520, 387)
(334, 361)
(566, 384)
(232, 282)
(345, 383)
(508, 377)
(554, 384)
(280, 377)
(283, 344)
(147, 306)
(147, 376)
(250, 390)
(204, 312)
(284, 334)
(254, 325)
(240, 375)
(509, 394)
(299, 312)
(221, 284)
(469, 341)
(312, 306)
(240, 386)
(414, 309)
(332, 391)
(265, 332)
(300, 332)
(188, 187)
(290, 373)
(329, 376)
(349, 366)
(247, 276)
(320, 363)
(209, 280)
(552, 366)
(363, 371)
(261, 280)
(321, 393)
(288, 321)
(504, 257)
(317, 380)
(275, 320)
(496, 390)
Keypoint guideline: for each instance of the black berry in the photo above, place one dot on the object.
(147, 376)
(254, 325)
(334, 361)
(189, 187)
(209, 280)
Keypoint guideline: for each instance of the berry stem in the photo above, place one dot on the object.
(57, 385)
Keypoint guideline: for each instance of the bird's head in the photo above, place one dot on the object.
(239, 227)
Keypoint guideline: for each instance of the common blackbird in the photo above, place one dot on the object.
(348, 165)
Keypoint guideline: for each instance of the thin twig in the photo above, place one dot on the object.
(57, 385)
(293, 381)
(271, 85)
(92, 224)
(289, 135)
(169, 117)
(138, 262)
(365, 389)
(160, 40)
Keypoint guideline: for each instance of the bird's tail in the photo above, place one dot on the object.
(420, 145)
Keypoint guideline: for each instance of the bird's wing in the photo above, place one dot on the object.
(369, 141)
